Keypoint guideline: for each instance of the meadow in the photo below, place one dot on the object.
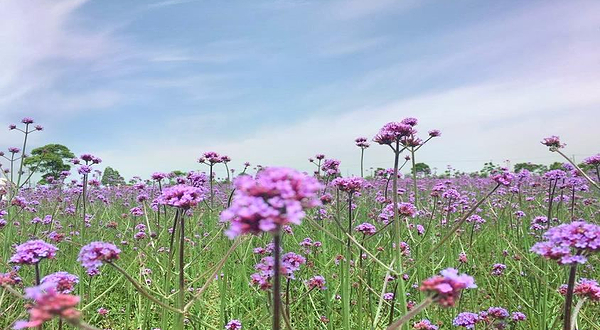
(274, 248)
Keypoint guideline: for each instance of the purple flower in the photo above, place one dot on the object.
(498, 269)
(182, 196)
(404, 209)
(361, 142)
(389, 296)
(233, 325)
(593, 160)
(553, 142)
(94, 254)
(569, 243)
(393, 132)
(435, 133)
(64, 282)
(31, 252)
(366, 228)
(275, 198)
(504, 177)
(518, 317)
(27, 120)
(349, 185)
(447, 287)
(425, 325)
(466, 319)
(317, 282)
(331, 167)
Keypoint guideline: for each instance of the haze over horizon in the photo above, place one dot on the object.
(150, 86)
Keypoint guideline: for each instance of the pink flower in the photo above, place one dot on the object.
(48, 303)
(447, 287)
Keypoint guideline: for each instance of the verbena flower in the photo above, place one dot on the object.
(94, 254)
(393, 132)
(466, 319)
(425, 325)
(366, 228)
(593, 160)
(569, 243)
(317, 282)
(63, 281)
(276, 197)
(182, 196)
(349, 185)
(553, 142)
(31, 252)
(447, 287)
(47, 304)
(361, 142)
(233, 325)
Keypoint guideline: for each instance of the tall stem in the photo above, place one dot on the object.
(413, 312)
(277, 280)
(181, 294)
(397, 237)
(23, 155)
(414, 175)
(362, 156)
(569, 297)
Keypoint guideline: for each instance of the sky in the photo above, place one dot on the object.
(150, 85)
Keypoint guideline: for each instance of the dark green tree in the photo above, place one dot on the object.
(556, 166)
(536, 168)
(49, 160)
(489, 168)
(422, 168)
(111, 177)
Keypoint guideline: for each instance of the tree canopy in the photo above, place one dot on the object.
(112, 177)
(49, 160)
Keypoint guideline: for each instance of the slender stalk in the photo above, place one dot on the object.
(413, 312)
(594, 183)
(277, 280)
(576, 312)
(362, 156)
(397, 237)
(181, 294)
(569, 297)
(414, 176)
(22, 155)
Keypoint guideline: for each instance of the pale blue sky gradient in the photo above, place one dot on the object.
(148, 86)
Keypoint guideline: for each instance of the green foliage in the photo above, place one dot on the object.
(556, 166)
(111, 177)
(489, 168)
(536, 168)
(49, 160)
(423, 168)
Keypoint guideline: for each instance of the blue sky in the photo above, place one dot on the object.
(149, 85)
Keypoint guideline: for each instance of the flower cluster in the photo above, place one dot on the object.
(331, 167)
(492, 318)
(233, 325)
(447, 287)
(63, 282)
(290, 263)
(425, 325)
(317, 282)
(182, 196)
(366, 228)
(361, 142)
(585, 288)
(404, 209)
(47, 304)
(350, 185)
(31, 252)
(275, 198)
(553, 142)
(593, 160)
(94, 254)
(569, 243)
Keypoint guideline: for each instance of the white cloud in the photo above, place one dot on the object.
(495, 121)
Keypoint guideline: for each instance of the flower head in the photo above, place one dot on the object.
(553, 142)
(447, 287)
(466, 319)
(47, 304)
(275, 198)
(94, 254)
(349, 185)
(182, 196)
(63, 281)
(569, 243)
(31, 252)
(233, 325)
